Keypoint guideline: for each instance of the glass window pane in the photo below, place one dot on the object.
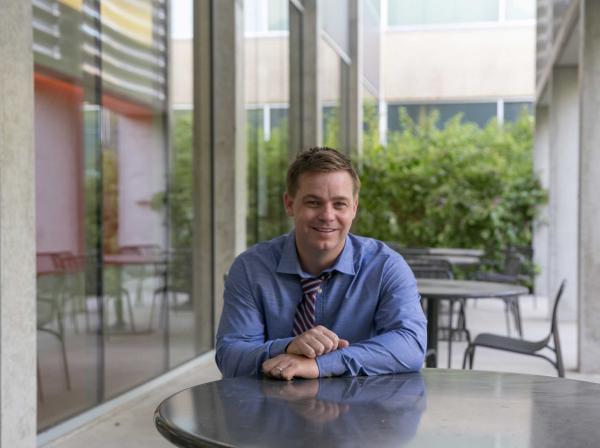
(253, 20)
(67, 176)
(135, 240)
(330, 79)
(477, 113)
(370, 119)
(278, 15)
(520, 9)
(512, 111)
(184, 318)
(335, 22)
(425, 12)
(106, 265)
(267, 98)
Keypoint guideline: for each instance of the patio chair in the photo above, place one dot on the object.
(48, 313)
(524, 347)
(511, 273)
(177, 282)
(441, 269)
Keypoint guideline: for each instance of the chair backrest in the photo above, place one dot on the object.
(554, 328)
(428, 262)
(554, 331)
(512, 262)
(432, 272)
(407, 251)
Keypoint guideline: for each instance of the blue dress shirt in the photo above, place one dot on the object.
(371, 300)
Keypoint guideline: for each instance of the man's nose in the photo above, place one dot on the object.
(327, 212)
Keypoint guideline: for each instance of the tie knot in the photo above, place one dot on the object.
(312, 284)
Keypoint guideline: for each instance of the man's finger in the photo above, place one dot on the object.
(343, 343)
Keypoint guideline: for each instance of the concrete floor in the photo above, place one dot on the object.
(131, 424)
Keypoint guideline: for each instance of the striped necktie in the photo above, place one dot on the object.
(305, 313)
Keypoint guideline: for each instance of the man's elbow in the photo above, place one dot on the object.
(415, 360)
(227, 370)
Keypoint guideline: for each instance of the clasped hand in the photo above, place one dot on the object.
(299, 359)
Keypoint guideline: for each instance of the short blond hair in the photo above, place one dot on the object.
(319, 159)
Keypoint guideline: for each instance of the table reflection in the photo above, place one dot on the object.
(359, 411)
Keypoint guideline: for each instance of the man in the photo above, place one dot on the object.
(320, 301)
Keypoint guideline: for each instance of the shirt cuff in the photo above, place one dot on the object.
(331, 364)
(278, 346)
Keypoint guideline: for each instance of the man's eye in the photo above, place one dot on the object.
(340, 205)
(312, 203)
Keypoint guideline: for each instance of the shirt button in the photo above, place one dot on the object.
(320, 290)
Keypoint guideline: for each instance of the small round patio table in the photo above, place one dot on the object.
(434, 290)
(434, 407)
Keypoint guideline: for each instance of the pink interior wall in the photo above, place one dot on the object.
(58, 152)
(141, 176)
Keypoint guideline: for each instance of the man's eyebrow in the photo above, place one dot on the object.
(311, 196)
(335, 198)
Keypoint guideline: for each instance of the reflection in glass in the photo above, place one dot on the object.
(113, 233)
(134, 156)
(370, 119)
(425, 12)
(477, 113)
(330, 83)
(267, 100)
(67, 178)
(520, 9)
(180, 267)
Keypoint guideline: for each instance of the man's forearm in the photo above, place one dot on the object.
(244, 358)
(392, 352)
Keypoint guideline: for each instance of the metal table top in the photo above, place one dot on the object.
(463, 289)
(428, 409)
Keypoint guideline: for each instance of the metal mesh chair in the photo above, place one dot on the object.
(428, 268)
(511, 273)
(524, 347)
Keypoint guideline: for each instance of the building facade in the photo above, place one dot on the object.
(143, 144)
(124, 171)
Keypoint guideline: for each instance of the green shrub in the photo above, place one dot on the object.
(458, 186)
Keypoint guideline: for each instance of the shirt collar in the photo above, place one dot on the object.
(289, 263)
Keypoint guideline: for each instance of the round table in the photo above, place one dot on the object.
(435, 407)
(434, 290)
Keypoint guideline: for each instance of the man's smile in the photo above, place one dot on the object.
(324, 229)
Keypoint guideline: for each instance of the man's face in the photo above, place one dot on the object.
(323, 209)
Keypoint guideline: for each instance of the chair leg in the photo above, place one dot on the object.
(506, 316)
(130, 309)
(464, 363)
(61, 338)
(65, 363)
(516, 309)
(431, 357)
(152, 306)
(450, 332)
(40, 389)
(470, 354)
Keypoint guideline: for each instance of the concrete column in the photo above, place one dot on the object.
(564, 172)
(229, 149)
(17, 229)
(355, 97)
(203, 285)
(541, 166)
(589, 186)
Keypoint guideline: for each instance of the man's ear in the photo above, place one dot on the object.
(288, 203)
(355, 204)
